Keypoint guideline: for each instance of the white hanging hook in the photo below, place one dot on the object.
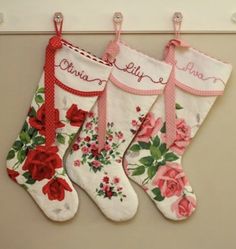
(58, 17)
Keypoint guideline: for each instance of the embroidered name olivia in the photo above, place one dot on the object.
(191, 69)
(136, 71)
(67, 66)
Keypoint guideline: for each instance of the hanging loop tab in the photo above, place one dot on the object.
(58, 21)
(117, 21)
(177, 21)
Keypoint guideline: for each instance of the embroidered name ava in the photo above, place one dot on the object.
(136, 70)
(191, 69)
(69, 67)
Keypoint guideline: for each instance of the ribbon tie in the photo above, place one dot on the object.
(169, 94)
(54, 44)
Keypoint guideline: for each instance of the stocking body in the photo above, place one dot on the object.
(79, 78)
(131, 91)
(198, 80)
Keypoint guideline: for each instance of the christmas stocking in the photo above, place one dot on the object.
(74, 78)
(95, 162)
(154, 158)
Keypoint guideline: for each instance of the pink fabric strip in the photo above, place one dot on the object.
(170, 98)
(133, 90)
(102, 120)
(197, 92)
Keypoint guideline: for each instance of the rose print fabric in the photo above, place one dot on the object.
(135, 82)
(158, 169)
(80, 77)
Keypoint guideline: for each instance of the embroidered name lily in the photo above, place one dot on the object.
(136, 71)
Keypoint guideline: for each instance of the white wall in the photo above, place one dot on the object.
(140, 15)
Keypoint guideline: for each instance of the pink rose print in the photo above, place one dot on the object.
(125, 166)
(171, 180)
(183, 137)
(184, 206)
(77, 163)
(116, 180)
(96, 164)
(149, 128)
(85, 150)
(107, 147)
(119, 135)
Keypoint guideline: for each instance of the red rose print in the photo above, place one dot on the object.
(109, 194)
(171, 180)
(183, 137)
(76, 116)
(87, 139)
(75, 147)
(95, 152)
(105, 179)
(55, 189)
(138, 109)
(38, 122)
(149, 128)
(12, 174)
(42, 162)
(184, 206)
(88, 126)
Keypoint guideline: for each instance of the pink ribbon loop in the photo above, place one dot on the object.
(169, 93)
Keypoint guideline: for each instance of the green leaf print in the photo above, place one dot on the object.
(39, 140)
(155, 152)
(135, 148)
(152, 171)
(38, 99)
(178, 106)
(157, 194)
(163, 128)
(24, 137)
(40, 90)
(163, 149)
(145, 145)
(170, 157)
(21, 154)
(156, 141)
(147, 161)
(11, 154)
(30, 180)
(17, 145)
(60, 138)
(138, 171)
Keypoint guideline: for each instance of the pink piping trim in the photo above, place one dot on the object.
(197, 92)
(102, 120)
(133, 90)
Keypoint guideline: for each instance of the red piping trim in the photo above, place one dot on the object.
(85, 53)
(77, 92)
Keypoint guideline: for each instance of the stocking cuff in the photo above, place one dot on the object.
(138, 73)
(80, 72)
(199, 73)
